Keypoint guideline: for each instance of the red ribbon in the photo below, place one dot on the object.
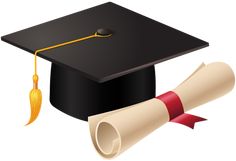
(176, 110)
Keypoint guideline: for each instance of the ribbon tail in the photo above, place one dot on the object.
(187, 120)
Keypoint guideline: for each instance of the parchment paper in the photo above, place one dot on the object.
(114, 132)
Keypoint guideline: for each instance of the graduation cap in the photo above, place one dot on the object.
(102, 58)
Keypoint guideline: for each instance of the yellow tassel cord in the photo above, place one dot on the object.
(35, 94)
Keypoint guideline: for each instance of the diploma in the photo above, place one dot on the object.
(115, 131)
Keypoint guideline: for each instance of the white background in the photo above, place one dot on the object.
(56, 136)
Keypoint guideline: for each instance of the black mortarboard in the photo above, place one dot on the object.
(103, 74)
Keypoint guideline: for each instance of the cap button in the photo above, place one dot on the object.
(104, 32)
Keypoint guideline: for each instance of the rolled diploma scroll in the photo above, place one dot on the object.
(113, 132)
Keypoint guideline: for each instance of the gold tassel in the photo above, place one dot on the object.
(35, 96)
